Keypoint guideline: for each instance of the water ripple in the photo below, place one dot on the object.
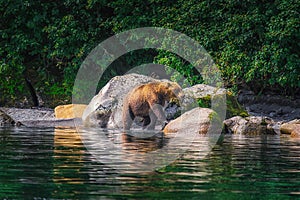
(55, 164)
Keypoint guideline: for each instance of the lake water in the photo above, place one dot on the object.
(48, 163)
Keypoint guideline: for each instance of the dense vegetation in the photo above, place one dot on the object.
(254, 43)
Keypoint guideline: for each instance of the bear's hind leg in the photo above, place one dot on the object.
(127, 118)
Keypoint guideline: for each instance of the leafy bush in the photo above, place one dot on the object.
(255, 44)
(46, 42)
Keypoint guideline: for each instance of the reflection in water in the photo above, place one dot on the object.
(134, 153)
(57, 164)
(145, 145)
(68, 152)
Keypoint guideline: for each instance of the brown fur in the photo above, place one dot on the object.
(147, 101)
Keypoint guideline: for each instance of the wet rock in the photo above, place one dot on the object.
(6, 120)
(274, 127)
(235, 125)
(250, 125)
(69, 111)
(53, 123)
(198, 119)
(98, 118)
(292, 128)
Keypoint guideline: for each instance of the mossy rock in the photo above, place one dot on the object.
(234, 108)
(203, 94)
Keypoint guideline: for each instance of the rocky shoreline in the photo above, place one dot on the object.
(269, 114)
(277, 107)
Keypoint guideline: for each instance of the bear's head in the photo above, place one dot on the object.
(173, 91)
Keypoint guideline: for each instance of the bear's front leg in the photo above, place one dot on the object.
(153, 119)
(158, 110)
(156, 113)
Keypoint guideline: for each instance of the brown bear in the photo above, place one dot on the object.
(147, 101)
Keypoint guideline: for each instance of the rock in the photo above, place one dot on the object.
(38, 117)
(172, 111)
(279, 108)
(250, 125)
(19, 115)
(6, 120)
(105, 109)
(71, 122)
(296, 133)
(98, 118)
(201, 95)
(274, 128)
(292, 128)
(197, 118)
(203, 92)
(288, 128)
(69, 111)
(235, 125)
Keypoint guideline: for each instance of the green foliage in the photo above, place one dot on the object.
(46, 42)
(254, 43)
(204, 102)
(181, 66)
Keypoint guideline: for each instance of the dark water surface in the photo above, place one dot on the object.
(54, 164)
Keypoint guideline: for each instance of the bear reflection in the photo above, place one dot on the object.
(138, 143)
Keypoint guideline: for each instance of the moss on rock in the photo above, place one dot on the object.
(203, 95)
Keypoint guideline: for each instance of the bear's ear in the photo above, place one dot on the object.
(167, 84)
(164, 85)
